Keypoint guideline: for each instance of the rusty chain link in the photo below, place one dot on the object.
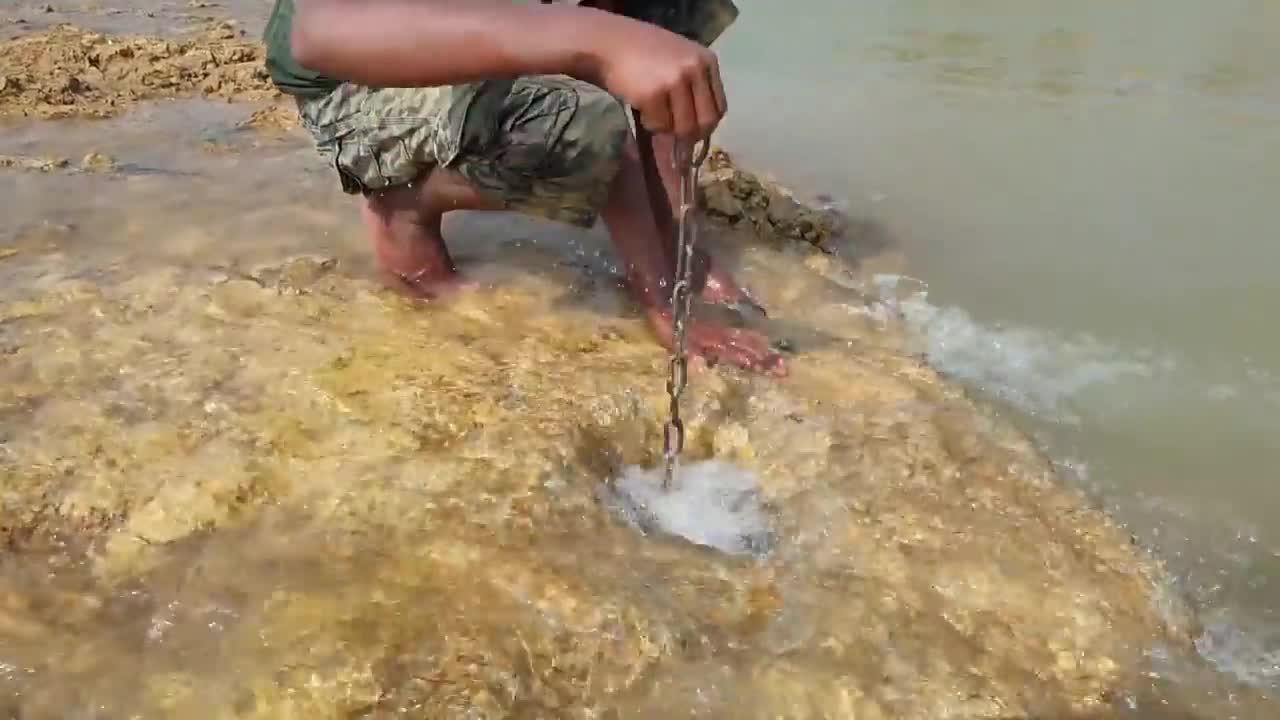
(688, 159)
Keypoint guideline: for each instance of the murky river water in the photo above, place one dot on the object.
(290, 495)
(1089, 191)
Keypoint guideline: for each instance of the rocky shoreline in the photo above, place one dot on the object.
(278, 491)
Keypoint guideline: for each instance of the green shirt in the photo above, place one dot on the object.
(286, 73)
(703, 21)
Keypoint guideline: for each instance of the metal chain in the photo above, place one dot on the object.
(689, 160)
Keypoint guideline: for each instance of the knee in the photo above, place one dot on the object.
(595, 140)
(565, 132)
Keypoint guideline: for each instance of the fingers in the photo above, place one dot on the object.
(692, 101)
(765, 363)
(685, 113)
(717, 87)
(708, 109)
(755, 353)
(656, 115)
(708, 95)
(745, 349)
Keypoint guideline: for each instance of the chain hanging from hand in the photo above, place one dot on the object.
(688, 159)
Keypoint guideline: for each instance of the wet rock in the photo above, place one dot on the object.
(275, 117)
(293, 276)
(37, 163)
(401, 503)
(97, 162)
(71, 72)
(738, 197)
(92, 162)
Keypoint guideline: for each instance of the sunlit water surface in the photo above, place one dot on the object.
(1086, 195)
(1081, 195)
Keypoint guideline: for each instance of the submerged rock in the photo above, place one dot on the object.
(282, 493)
(275, 117)
(92, 162)
(39, 163)
(97, 162)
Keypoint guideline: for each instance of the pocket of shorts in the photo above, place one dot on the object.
(341, 148)
(331, 118)
(536, 117)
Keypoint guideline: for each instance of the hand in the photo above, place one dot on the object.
(744, 348)
(673, 83)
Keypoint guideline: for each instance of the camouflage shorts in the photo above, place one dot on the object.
(543, 145)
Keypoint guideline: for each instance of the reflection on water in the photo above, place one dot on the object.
(141, 17)
(1082, 186)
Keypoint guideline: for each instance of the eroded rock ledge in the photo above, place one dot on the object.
(69, 72)
(771, 211)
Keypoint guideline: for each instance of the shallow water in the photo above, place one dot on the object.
(296, 495)
(1085, 190)
(245, 485)
(709, 503)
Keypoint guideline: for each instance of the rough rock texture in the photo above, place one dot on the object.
(770, 210)
(278, 116)
(69, 72)
(274, 492)
(92, 162)
(39, 163)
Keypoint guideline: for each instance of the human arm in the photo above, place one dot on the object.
(674, 83)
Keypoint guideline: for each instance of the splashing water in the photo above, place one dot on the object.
(1033, 370)
(710, 503)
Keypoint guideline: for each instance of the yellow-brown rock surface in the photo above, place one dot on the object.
(70, 72)
(280, 493)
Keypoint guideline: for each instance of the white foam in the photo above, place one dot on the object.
(1080, 380)
(1033, 370)
(1251, 655)
(712, 504)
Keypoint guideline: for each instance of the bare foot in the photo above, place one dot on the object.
(719, 288)
(424, 286)
(662, 183)
(715, 343)
(405, 231)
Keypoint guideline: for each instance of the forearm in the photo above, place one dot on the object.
(410, 43)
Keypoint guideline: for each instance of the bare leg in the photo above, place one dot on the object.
(404, 229)
(715, 284)
(650, 263)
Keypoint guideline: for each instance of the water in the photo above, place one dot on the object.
(710, 503)
(287, 494)
(1082, 187)
(244, 483)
